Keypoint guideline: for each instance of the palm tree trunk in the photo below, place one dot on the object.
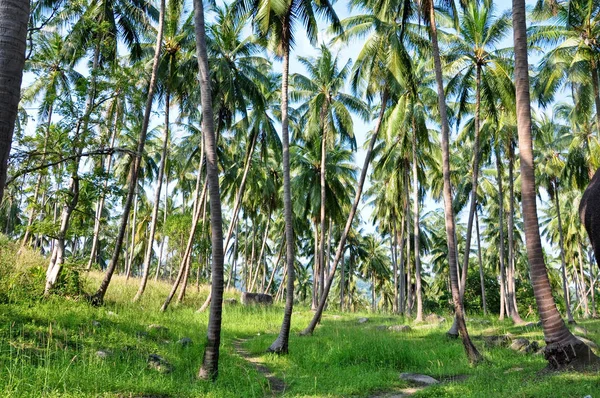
(343, 282)
(409, 292)
(512, 295)
(280, 345)
(562, 348)
(584, 291)
(14, 16)
(338, 253)
(472, 353)
(262, 250)
(563, 264)
(57, 258)
(38, 183)
(324, 128)
(210, 362)
(129, 264)
(401, 261)
(481, 275)
(98, 297)
(416, 229)
(187, 251)
(154, 217)
(240, 192)
(164, 229)
(315, 290)
(503, 301)
(393, 246)
(100, 204)
(275, 267)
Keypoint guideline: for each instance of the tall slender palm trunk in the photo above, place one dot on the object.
(98, 297)
(481, 274)
(340, 249)
(324, 128)
(210, 362)
(511, 286)
(416, 229)
(154, 217)
(14, 15)
(280, 345)
(472, 354)
(563, 263)
(562, 348)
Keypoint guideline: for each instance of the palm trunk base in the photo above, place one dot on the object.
(279, 346)
(573, 356)
(453, 331)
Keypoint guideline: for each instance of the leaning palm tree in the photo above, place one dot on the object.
(472, 353)
(276, 21)
(14, 16)
(562, 347)
(98, 297)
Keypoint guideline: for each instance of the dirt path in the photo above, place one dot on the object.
(277, 386)
(402, 393)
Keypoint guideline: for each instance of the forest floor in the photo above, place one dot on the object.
(63, 347)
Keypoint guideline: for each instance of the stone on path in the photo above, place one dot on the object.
(159, 364)
(363, 320)
(422, 380)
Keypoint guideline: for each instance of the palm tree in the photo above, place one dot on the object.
(326, 111)
(14, 16)
(480, 65)
(472, 353)
(210, 362)
(276, 21)
(98, 297)
(562, 348)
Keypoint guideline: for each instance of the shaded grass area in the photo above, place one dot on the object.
(50, 349)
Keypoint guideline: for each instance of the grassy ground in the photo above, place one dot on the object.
(49, 349)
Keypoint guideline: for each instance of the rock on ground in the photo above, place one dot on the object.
(434, 318)
(363, 320)
(159, 364)
(400, 328)
(103, 354)
(496, 341)
(519, 344)
(184, 342)
(419, 379)
(256, 298)
(158, 328)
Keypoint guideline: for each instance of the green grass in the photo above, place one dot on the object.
(49, 349)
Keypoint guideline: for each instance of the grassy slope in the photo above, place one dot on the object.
(49, 349)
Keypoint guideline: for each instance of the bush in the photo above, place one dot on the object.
(23, 275)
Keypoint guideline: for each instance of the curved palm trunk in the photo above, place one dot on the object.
(409, 291)
(210, 362)
(338, 253)
(472, 354)
(280, 345)
(154, 217)
(416, 229)
(14, 15)
(262, 250)
(98, 297)
(162, 241)
(503, 302)
(563, 263)
(183, 265)
(562, 347)
(129, 262)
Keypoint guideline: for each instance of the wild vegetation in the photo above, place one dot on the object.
(162, 147)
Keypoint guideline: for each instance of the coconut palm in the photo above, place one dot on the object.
(562, 347)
